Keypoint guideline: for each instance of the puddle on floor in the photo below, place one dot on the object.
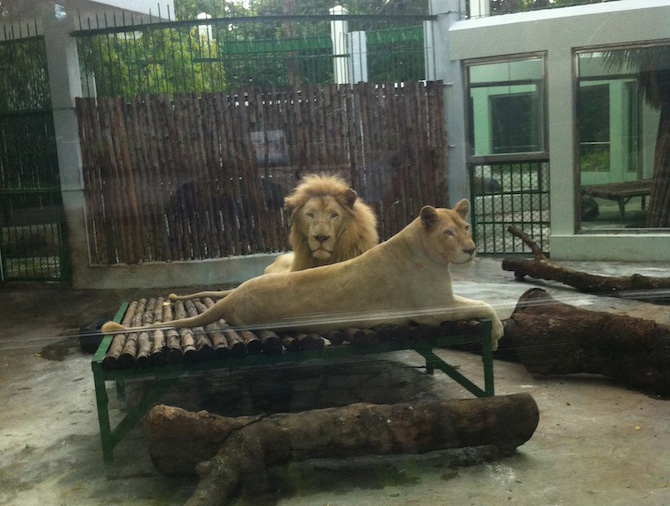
(59, 350)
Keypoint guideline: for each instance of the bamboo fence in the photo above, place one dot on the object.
(204, 176)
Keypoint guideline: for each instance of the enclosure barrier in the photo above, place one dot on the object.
(510, 193)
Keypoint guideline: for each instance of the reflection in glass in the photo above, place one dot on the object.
(506, 107)
(623, 129)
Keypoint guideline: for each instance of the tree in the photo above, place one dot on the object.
(509, 6)
(653, 75)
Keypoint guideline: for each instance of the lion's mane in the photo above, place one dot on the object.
(357, 234)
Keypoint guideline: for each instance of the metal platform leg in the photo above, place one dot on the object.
(487, 357)
(102, 401)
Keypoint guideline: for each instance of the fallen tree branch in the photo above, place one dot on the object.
(634, 287)
(550, 337)
(247, 447)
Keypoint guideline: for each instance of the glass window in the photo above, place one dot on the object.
(506, 101)
(594, 128)
(620, 95)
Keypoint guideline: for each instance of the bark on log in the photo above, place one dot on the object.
(632, 287)
(247, 447)
(226, 341)
(180, 439)
(271, 342)
(550, 337)
(251, 341)
(311, 342)
(336, 337)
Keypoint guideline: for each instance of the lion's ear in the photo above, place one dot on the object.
(462, 207)
(428, 217)
(350, 197)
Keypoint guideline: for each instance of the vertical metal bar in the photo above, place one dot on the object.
(102, 400)
(487, 356)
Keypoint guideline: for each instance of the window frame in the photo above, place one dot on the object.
(539, 155)
(577, 175)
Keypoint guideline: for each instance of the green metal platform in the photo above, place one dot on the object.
(163, 377)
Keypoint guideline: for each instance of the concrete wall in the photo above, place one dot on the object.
(557, 32)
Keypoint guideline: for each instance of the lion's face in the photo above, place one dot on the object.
(448, 237)
(329, 223)
(321, 220)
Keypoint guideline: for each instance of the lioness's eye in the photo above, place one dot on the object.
(467, 227)
(334, 215)
(310, 215)
(448, 232)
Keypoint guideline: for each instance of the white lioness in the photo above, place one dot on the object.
(405, 279)
(329, 224)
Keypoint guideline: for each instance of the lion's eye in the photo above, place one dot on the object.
(310, 215)
(334, 215)
(467, 227)
(448, 232)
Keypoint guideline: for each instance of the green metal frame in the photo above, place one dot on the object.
(523, 201)
(165, 377)
(168, 57)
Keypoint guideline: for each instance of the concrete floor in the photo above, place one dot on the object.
(597, 443)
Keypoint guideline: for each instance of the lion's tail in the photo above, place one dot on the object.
(209, 316)
(220, 294)
(111, 327)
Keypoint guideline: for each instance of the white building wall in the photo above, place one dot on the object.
(558, 32)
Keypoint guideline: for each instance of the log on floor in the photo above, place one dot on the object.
(550, 337)
(636, 286)
(247, 447)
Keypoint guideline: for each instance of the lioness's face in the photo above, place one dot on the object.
(320, 221)
(448, 236)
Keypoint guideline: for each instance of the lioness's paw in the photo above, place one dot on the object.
(497, 331)
(173, 297)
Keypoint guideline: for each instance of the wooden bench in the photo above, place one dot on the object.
(123, 357)
(620, 192)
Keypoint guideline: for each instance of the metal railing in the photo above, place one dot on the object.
(32, 226)
(225, 54)
(510, 193)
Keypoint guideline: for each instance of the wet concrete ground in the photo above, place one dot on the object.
(598, 443)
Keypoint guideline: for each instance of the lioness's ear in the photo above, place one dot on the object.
(350, 197)
(462, 207)
(428, 217)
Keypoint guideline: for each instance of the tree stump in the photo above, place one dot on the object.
(550, 337)
(238, 448)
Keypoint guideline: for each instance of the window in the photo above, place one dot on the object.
(506, 102)
(594, 128)
(619, 122)
(513, 121)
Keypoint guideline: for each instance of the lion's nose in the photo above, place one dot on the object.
(470, 252)
(322, 238)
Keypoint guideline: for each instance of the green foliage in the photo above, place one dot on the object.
(170, 60)
(189, 9)
(24, 84)
(509, 6)
(595, 161)
(257, 47)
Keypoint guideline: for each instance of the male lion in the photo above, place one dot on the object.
(405, 279)
(329, 224)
